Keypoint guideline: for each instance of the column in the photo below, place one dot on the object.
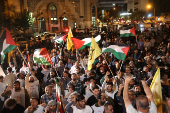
(81, 7)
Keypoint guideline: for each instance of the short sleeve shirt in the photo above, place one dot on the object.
(152, 109)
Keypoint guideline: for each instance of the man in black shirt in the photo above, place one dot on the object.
(11, 106)
(93, 99)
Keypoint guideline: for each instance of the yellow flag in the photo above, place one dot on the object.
(69, 41)
(9, 56)
(95, 51)
(157, 91)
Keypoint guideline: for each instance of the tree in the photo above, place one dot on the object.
(22, 20)
(6, 11)
(3, 15)
(138, 15)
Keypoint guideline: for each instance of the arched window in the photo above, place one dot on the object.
(53, 11)
(65, 22)
(94, 16)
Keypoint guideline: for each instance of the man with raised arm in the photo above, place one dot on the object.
(142, 102)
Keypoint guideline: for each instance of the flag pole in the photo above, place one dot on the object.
(22, 56)
(108, 66)
(121, 65)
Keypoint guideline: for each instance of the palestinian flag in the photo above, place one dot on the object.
(119, 51)
(61, 107)
(7, 43)
(41, 56)
(61, 38)
(127, 32)
(82, 43)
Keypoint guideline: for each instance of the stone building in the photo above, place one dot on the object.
(56, 15)
(136, 5)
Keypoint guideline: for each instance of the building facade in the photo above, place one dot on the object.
(56, 15)
(136, 5)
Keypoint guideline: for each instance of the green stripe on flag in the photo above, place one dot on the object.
(126, 35)
(41, 61)
(59, 41)
(9, 48)
(118, 55)
(87, 45)
(2, 58)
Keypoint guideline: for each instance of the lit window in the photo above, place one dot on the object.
(53, 11)
(93, 16)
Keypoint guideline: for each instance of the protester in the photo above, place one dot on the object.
(31, 84)
(48, 95)
(108, 108)
(80, 107)
(77, 84)
(142, 102)
(11, 106)
(10, 77)
(2, 88)
(106, 87)
(35, 108)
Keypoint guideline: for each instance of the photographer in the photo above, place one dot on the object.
(149, 76)
(131, 96)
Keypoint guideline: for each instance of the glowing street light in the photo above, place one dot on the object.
(149, 6)
(149, 15)
(114, 8)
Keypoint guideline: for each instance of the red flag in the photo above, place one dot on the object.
(28, 58)
(45, 54)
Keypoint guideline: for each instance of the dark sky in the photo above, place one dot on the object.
(161, 6)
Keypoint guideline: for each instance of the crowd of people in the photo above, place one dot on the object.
(111, 86)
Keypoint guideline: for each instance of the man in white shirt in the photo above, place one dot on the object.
(17, 93)
(10, 77)
(31, 84)
(142, 102)
(128, 73)
(11, 64)
(20, 77)
(24, 69)
(99, 106)
(35, 108)
(81, 106)
(2, 88)
(76, 65)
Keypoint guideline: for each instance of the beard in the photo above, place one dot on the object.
(131, 86)
(102, 103)
(74, 79)
(31, 81)
(17, 89)
(82, 106)
(138, 93)
(53, 110)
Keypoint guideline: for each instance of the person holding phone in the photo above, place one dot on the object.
(52, 107)
(34, 107)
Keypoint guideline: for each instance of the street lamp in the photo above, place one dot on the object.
(114, 8)
(148, 7)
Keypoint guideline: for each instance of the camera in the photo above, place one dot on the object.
(143, 75)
